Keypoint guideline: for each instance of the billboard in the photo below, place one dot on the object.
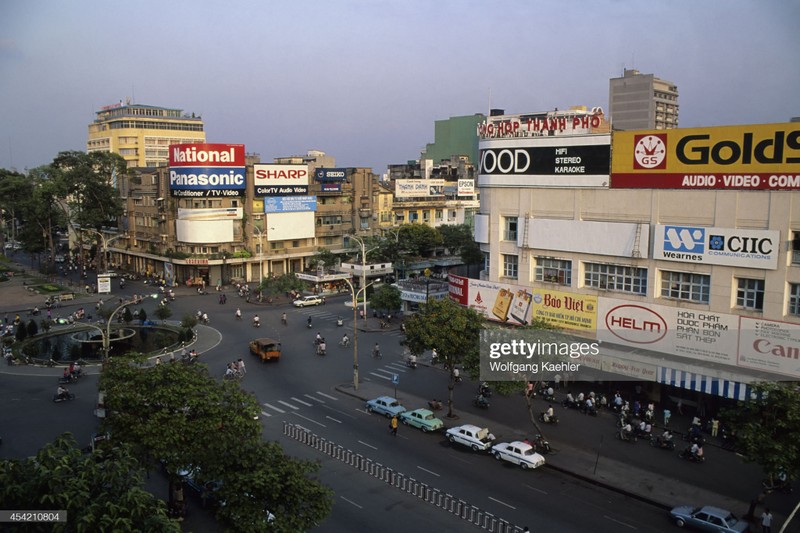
(583, 161)
(466, 187)
(407, 188)
(280, 180)
(206, 170)
(717, 246)
(290, 204)
(213, 213)
(330, 174)
(752, 157)
(770, 346)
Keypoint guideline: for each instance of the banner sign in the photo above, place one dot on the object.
(409, 188)
(206, 170)
(717, 246)
(466, 187)
(752, 157)
(770, 346)
(280, 180)
(290, 204)
(330, 174)
(330, 187)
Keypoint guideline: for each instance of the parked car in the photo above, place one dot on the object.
(474, 437)
(422, 419)
(385, 405)
(305, 301)
(519, 453)
(708, 518)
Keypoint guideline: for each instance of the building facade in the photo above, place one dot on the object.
(142, 134)
(678, 256)
(642, 102)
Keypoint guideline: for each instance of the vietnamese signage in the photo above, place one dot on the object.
(290, 204)
(717, 246)
(762, 156)
(330, 174)
(543, 124)
(206, 170)
(408, 188)
(280, 180)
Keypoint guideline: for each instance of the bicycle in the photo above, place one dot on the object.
(344, 344)
(376, 353)
(236, 374)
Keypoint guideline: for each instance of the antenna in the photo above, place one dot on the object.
(489, 113)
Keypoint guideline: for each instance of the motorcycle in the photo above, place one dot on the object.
(256, 323)
(540, 445)
(63, 398)
(570, 404)
(309, 323)
(665, 444)
(550, 420)
(411, 363)
(591, 411)
(321, 349)
(434, 405)
(627, 436)
(485, 390)
(339, 322)
(780, 483)
(481, 402)
(687, 455)
(69, 378)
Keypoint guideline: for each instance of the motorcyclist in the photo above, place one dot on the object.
(284, 321)
(256, 321)
(238, 314)
(570, 401)
(589, 405)
(626, 432)
(456, 374)
(318, 339)
(550, 392)
(481, 400)
(580, 398)
(62, 393)
(412, 361)
(548, 415)
(376, 351)
(309, 322)
(322, 347)
(484, 389)
(205, 318)
(345, 340)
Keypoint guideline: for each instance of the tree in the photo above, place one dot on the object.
(127, 316)
(32, 328)
(418, 239)
(386, 298)
(455, 237)
(279, 284)
(22, 332)
(163, 312)
(141, 315)
(101, 491)
(766, 427)
(450, 328)
(323, 258)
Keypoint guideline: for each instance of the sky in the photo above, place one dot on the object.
(365, 80)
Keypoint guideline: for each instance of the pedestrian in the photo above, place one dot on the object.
(714, 427)
(529, 389)
(158, 361)
(393, 425)
(680, 406)
(557, 380)
(667, 414)
(240, 365)
(766, 521)
(434, 356)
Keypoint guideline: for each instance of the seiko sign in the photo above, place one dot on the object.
(717, 246)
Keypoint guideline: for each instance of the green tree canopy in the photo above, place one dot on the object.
(386, 298)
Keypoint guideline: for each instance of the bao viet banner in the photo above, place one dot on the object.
(206, 170)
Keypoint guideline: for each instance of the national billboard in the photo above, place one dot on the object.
(752, 157)
(280, 180)
(206, 170)
(717, 246)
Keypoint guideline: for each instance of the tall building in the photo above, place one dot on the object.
(642, 102)
(454, 137)
(141, 134)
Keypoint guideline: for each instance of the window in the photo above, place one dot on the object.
(554, 270)
(616, 278)
(795, 247)
(510, 265)
(685, 286)
(794, 299)
(510, 228)
(486, 263)
(750, 293)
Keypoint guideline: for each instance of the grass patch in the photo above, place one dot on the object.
(49, 287)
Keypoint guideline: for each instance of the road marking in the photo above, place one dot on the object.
(331, 418)
(281, 411)
(457, 458)
(367, 445)
(397, 367)
(502, 503)
(310, 420)
(313, 398)
(382, 370)
(301, 401)
(348, 415)
(620, 523)
(327, 396)
(429, 471)
(351, 502)
(387, 378)
(288, 405)
(534, 488)
(265, 413)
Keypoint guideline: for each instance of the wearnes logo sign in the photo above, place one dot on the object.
(682, 239)
(718, 246)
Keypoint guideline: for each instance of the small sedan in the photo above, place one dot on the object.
(708, 518)
(386, 406)
(477, 438)
(519, 453)
(305, 301)
(422, 419)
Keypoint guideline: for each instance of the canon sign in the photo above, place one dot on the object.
(636, 324)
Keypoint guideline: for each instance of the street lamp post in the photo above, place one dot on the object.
(363, 270)
(260, 252)
(106, 333)
(355, 293)
(104, 244)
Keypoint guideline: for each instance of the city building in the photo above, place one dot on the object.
(642, 102)
(680, 256)
(454, 137)
(142, 134)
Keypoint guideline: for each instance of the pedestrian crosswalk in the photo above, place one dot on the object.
(322, 314)
(293, 403)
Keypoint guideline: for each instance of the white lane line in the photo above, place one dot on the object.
(534, 488)
(331, 418)
(281, 411)
(429, 471)
(310, 420)
(383, 370)
(301, 401)
(313, 398)
(620, 523)
(288, 405)
(387, 378)
(348, 415)
(351, 502)
(502, 503)
(327, 396)
(367, 445)
(265, 413)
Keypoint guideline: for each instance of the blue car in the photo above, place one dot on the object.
(386, 406)
(708, 518)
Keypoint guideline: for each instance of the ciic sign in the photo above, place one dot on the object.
(717, 246)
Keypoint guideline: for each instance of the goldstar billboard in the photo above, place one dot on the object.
(753, 157)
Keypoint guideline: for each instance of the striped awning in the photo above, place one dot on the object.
(701, 383)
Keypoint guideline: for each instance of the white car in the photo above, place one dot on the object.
(519, 453)
(472, 436)
(308, 300)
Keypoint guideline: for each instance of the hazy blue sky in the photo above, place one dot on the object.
(364, 80)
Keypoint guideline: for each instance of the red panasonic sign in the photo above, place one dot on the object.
(636, 324)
